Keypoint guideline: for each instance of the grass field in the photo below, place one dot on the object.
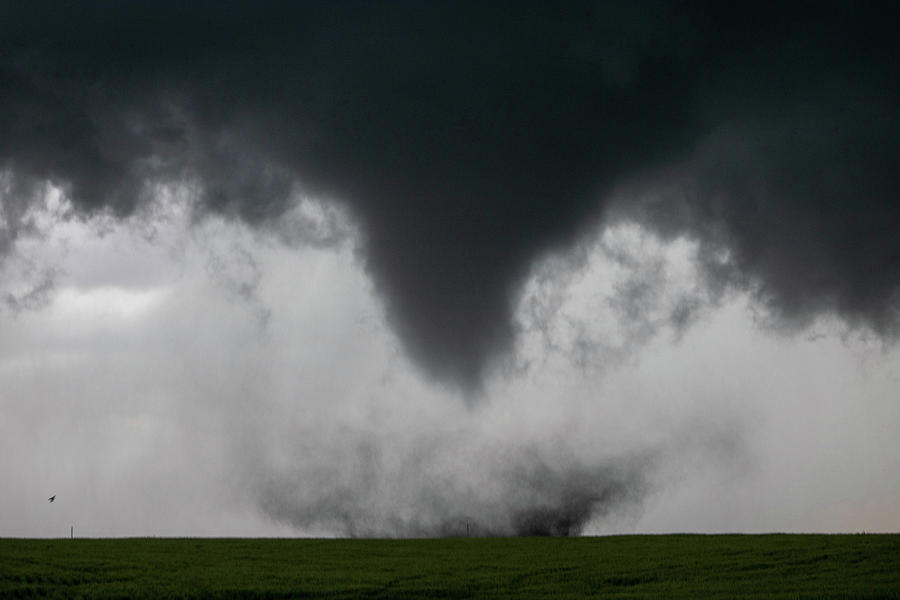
(721, 566)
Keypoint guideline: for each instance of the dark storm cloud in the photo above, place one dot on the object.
(469, 138)
(803, 210)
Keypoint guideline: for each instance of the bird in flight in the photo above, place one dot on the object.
(51, 498)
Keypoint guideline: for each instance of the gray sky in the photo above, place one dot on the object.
(395, 268)
(206, 379)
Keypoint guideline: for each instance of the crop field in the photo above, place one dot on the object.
(666, 566)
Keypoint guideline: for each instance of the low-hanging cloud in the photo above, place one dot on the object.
(315, 425)
(469, 139)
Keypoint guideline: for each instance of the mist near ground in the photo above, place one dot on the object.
(167, 377)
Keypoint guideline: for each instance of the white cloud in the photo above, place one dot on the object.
(151, 396)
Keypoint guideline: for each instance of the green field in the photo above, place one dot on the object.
(720, 566)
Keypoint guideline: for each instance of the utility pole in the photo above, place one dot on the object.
(72, 532)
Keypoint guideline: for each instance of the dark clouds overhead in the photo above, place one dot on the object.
(469, 138)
